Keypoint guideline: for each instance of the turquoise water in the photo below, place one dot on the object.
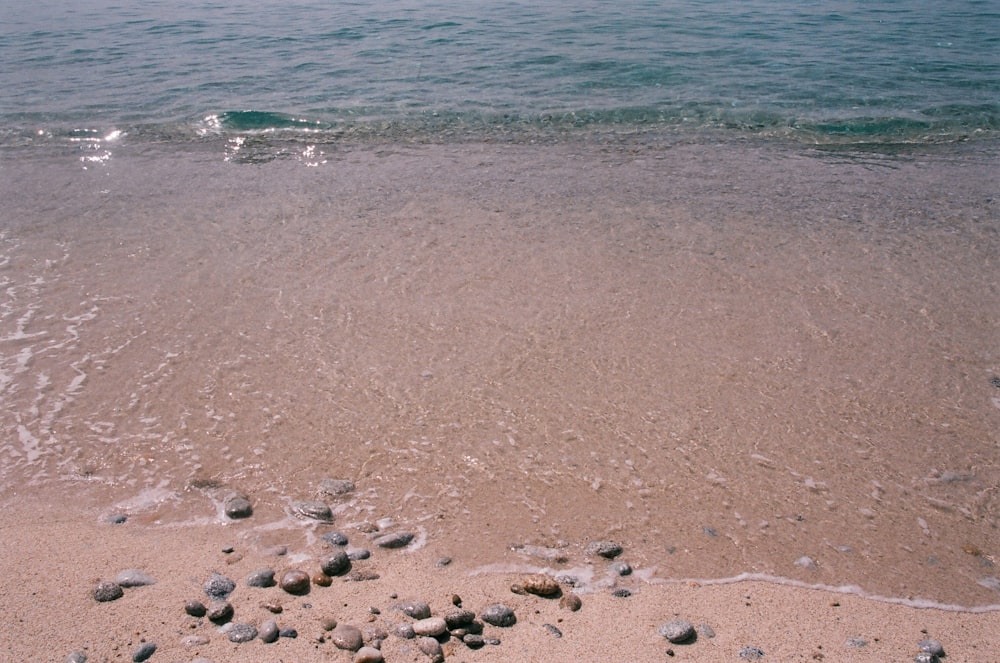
(819, 72)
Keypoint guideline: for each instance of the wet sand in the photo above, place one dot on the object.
(727, 358)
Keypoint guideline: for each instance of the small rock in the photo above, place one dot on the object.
(856, 642)
(143, 652)
(553, 630)
(806, 562)
(620, 568)
(313, 511)
(272, 606)
(931, 647)
(431, 647)
(374, 635)
(414, 609)
(328, 623)
(607, 549)
(335, 563)
(394, 540)
(219, 586)
(677, 631)
(268, 631)
(431, 626)
(361, 576)
(347, 637)
(621, 592)
(194, 640)
(261, 578)
(442, 562)
(242, 633)
(219, 612)
(358, 554)
(134, 578)
(195, 608)
(238, 507)
(320, 579)
(335, 538)
(76, 657)
(498, 615)
(751, 653)
(404, 631)
(295, 582)
(926, 657)
(116, 518)
(706, 630)
(458, 618)
(288, 633)
(108, 591)
(538, 584)
(335, 487)
(368, 655)
(473, 641)
(571, 602)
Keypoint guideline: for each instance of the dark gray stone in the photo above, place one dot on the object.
(751, 653)
(498, 615)
(459, 618)
(357, 554)
(242, 633)
(473, 641)
(195, 608)
(312, 510)
(288, 633)
(394, 540)
(219, 586)
(143, 652)
(239, 507)
(414, 609)
(107, 591)
(606, 549)
(621, 592)
(335, 564)
(261, 578)
(335, 538)
(553, 630)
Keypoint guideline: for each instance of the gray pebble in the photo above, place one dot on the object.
(335, 487)
(751, 653)
(76, 657)
(116, 518)
(357, 554)
(806, 562)
(553, 630)
(430, 647)
(313, 511)
(492, 641)
(134, 578)
(620, 568)
(394, 540)
(335, 564)
(706, 630)
(219, 586)
(368, 655)
(607, 549)
(404, 631)
(710, 531)
(347, 637)
(238, 507)
(856, 642)
(459, 618)
(926, 657)
(261, 578)
(194, 640)
(107, 591)
(143, 652)
(219, 612)
(498, 615)
(931, 647)
(473, 641)
(443, 561)
(414, 609)
(288, 633)
(621, 592)
(195, 608)
(242, 633)
(335, 538)
(677, 630)
(268, 631)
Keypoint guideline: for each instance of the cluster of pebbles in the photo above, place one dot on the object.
(416, 620)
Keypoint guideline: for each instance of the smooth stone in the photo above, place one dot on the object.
(347, 637)
(620, 568)
(268, 631)
(108, 591)
(473, 640)
(336, 487)
(313, 511)
(538, 584)
(242, 633)
(261, 578)
(239, 507)
(134, 578)
(295, 581)
(143, 652)
(219, 612)
(404, 631)
(194, 640)
(431, 626)
(368, 655)
(677, 630)
(195, 608)
(272, 606)
(606, 549)
(931, 647)
(76, 657)
(751, 653)
(571, 602)
(320, 579)
(498, 615)
(414, 609)
(706, 630)
(328, 623)
(288, 633)
(459, 618)
(374, 635)
(394, 540)
(219, 586)
(431, 647)
(553, 630)
(357, 554)
(335, 538)
(335, 564)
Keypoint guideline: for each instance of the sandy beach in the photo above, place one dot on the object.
(769, 373)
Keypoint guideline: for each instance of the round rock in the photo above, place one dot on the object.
(677, 630)
(498, 615)
(606, 549)
(219, 612)
(261, 578)
(347, 637)
(620, 568)
(335, 564)
(108, 591)
(415, 609)
(195, 608)
(931, 647)
(268, 631)
(368, 655)
(143, 652)
(239, 507)
(459, 618)
(335, 538)
(242, 633)
(295, 581)
(219, 586)
(571, 602)
(313, 511)
(431, 647)
(432, 626)
(394, 540)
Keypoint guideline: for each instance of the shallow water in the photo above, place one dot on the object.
(727, 357)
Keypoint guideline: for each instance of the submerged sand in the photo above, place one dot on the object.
(731, 359)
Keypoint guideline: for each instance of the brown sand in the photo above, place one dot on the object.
(726, 358)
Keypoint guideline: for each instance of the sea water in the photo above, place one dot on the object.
(715, 280)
